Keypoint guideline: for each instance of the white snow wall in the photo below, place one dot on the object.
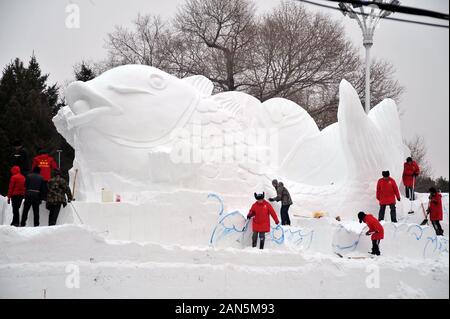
(218, 226)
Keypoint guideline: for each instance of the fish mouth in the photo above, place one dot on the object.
(87, 104)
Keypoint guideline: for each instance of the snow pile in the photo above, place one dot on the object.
(166, 256)
(39, 262)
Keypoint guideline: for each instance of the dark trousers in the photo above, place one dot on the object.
(437, 227)
(262, 238)
(54, 212)
(31, 200)
(44, 190)
(376, 247)
(409, 192)
(393, 212)
(285, 220)
(16, 202)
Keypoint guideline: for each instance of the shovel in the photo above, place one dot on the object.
(76, 212)
(425, 221)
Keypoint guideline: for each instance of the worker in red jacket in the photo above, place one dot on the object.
(46, 163)
(435, 210)
(16, 192)
(376, 231)
(410, 172)
(261, 210)
(387, 192)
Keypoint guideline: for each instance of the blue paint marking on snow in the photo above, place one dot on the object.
(212, 195)
(443, 248)
(221, 230)
(245, 229)
(434, 244)
(280, 240)
(300, 236)
(440, 244)
(352, 246)
(418, 237)
(432, 240)
(226, 230)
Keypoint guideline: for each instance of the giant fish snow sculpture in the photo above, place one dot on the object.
(135, 128)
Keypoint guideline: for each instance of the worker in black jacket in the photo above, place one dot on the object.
(34, 184)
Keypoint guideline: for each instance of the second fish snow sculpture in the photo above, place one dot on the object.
(136, 128)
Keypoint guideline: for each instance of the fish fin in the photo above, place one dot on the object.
(285, 112)
(229, 103)
(201, 83)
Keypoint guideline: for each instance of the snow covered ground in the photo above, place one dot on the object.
(81, 261)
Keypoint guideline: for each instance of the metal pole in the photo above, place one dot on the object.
(59, 158)
(367, 94)
(367, 23)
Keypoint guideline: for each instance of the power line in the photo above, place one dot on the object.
(397, 8)
(387, 18)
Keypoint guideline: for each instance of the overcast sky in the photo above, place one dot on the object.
(420, 54)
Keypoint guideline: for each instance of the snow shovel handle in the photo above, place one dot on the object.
(76, 212)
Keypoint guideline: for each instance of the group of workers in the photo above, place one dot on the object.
(43, 182)
(387, 192)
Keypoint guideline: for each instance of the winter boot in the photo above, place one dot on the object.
(394, 218)
(261, 243)
(254, 239)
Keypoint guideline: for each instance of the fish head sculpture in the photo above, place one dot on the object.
(132, 103)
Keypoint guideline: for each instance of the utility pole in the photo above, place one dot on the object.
(367, 21)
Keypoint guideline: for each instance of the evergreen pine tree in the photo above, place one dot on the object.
(442, 184)
(27, 105)
(84, 72)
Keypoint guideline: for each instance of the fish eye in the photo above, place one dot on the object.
(157, 82)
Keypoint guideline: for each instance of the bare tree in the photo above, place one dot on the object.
(382, 82)
(289, 52)
(418, 153)
(219, 33)
(297, 51)
(304, 56)
(383, 85)
(143, 45)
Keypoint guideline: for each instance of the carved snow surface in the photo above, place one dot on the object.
(135, 128)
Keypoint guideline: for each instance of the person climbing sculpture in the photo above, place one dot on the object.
(286, 201)
(387, 192)
(410, 172)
